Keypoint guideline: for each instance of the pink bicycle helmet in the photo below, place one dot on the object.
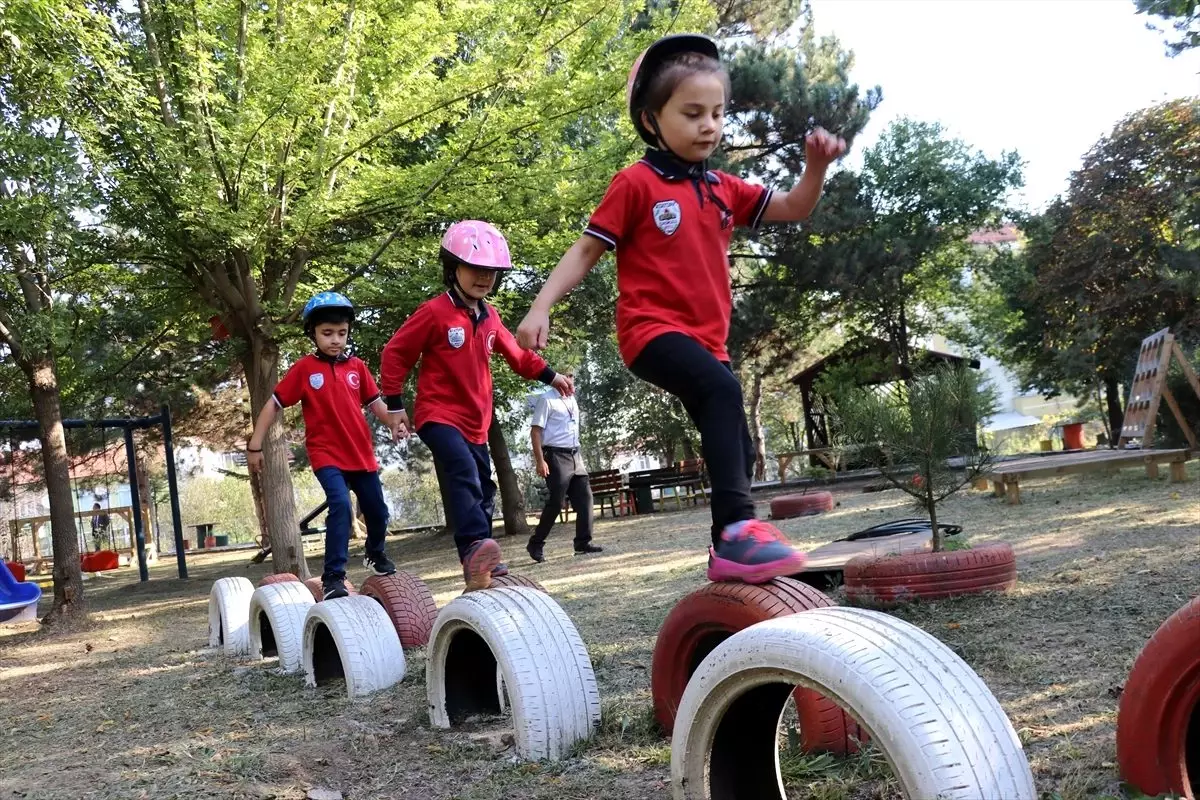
(477, 244)
(648, 63)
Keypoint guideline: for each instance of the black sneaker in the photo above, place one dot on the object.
(535, 552)
(379, 564)
(334, 589)
(584, 549)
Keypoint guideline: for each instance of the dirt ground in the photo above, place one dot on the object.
(135, 705)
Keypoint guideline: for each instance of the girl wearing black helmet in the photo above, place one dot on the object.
(670, 220)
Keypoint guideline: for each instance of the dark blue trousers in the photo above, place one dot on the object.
(338, 484)
(467, 469)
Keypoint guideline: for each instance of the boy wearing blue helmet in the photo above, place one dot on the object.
(332, 387)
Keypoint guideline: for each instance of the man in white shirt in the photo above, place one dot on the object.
(555, 438)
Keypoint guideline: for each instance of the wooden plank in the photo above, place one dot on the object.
(835, 555)
(1186, 365)
(1178, 412)
(1149, 377)
(1083, 462)
(1178, 472)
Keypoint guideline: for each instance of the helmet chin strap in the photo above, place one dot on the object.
(663, 142)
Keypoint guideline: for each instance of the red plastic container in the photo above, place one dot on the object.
(17, 569)
(1073, 436)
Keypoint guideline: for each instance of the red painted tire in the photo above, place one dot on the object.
(318, 591)
(278, 577)
(801, 505)
(513, 579)
(409, 605)
(99, 561)
(1158, 718)
(710, 615)
(888, 580)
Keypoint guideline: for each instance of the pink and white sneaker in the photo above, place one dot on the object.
(753, 551)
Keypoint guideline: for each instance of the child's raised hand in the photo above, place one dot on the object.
(822, 147)
(534, 331)
(255, 460)
(398, 425)
(564, 383)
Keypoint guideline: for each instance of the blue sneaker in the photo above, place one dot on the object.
(753, 551)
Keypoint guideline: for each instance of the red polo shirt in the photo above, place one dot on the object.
(672, 244)
(455, 347)
(332, 396)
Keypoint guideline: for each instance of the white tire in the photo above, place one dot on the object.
(229, 615)
(941, 729)
(352, 638)
(277, 613)
(543, 664)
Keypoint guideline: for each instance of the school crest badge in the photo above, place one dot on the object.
(491, 342)
(353, 379)
(457, 337)
(316, 380)
(666, 216)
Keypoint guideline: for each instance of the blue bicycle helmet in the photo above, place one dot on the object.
(327, 307)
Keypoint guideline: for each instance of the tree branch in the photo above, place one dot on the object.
(240, 69)
(160, 83)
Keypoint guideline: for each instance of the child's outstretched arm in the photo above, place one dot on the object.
(821, 149)
(533, 332)
(254, 448)
(399, 355)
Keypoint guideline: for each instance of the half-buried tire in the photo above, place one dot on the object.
(408, 603)
(278, 577)
(710, 615)
(889, 580)
(543, 663)
(351, 639)
(277, 613)
(1158, 719)
(941, 730)
(801, 505)
(229, 615)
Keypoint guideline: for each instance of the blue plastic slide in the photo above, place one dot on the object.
(18, 600)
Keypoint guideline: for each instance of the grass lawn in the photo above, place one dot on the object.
(133, 704)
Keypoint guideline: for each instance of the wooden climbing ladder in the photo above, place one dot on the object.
(1150, 385)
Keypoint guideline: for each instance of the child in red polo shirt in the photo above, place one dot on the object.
(670, 220)
(332, 387)
(454, 336)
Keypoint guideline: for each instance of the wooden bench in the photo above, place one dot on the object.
(1007, 476)
(825, 455)
(608, 488)
(686, 475)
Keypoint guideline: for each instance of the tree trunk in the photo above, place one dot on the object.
(938, 539)
(47, 408)
(278, 499)
(512, 501)
(1112, 401)
(756, 431)
(447, 505)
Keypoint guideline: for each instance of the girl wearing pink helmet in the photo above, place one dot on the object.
(670, 220)
(453, 335)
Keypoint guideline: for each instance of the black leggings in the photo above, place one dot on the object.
(712, 396)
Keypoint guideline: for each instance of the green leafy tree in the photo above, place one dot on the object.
(46, 254)
(259, 152)
(911, 435)
(1116, 260)
(1184, 16)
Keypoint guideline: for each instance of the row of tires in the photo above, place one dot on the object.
(727, 660)
(511, 648)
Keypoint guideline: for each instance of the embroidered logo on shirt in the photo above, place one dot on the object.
(316, 380)
(353, 379)
(666, 216)
(490, 342)
(457, 337)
